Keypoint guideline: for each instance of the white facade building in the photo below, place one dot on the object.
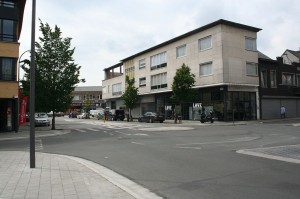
(222, 55)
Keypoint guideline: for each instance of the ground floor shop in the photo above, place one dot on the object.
(8, 115)
(229, 103)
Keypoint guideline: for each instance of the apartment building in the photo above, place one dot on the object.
(291, 56)
(11, 17)
(82, 95)
(279, 86)
(222, 55)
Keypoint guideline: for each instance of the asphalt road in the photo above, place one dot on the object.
(184, 161)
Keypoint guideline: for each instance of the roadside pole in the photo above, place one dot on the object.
(32, 89)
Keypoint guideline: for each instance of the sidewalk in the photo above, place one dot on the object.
(59, 176)
(62, 177)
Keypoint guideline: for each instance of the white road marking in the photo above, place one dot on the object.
(80, 130)
(244, 139)
(93, 129)
(142, 134)
(138, 143)
(186, 147)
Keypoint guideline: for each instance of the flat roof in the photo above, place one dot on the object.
(221, 21)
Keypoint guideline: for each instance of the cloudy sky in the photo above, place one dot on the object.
(106, 31)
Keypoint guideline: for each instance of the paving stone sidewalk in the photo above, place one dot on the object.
(56, 177)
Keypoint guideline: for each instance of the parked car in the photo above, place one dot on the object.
(118, 114)
(151, 117)
(82, 116)
(42, 119)
(73, 115)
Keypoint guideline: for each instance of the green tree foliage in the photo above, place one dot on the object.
(56, 72)
(130, 96)
(182, 85)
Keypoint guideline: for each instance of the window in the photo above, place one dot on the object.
(298, 80)
(206, 69)
(142, 82)
(251, 69)
(250, 43)
(205, 43)
(263, 76)
(7, 69)
(8, 30)
(117, 89)
(159, 81)
(76, 97)
(181, 51)
(7, 3)
(159, 60)
(288, 79)
(273, 78)
(142, 63)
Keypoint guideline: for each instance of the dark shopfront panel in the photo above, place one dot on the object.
(227, 106)
(241, 106)
(8, 115)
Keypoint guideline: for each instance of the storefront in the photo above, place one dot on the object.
(226, 105)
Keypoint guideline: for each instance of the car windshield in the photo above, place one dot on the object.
(41, 115)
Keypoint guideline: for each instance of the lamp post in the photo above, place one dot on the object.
(32, 89)
(19, 68)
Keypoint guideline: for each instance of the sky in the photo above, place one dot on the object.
(104, 32)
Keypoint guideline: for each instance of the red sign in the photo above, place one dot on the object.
(23, 111)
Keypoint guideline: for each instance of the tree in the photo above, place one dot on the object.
(56, 72)
(130, 96)
(87, 107)
(182, 85)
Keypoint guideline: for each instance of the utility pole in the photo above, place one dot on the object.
(32, 89)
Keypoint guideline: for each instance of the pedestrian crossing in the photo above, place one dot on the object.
(99, 126)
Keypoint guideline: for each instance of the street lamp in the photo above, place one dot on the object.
(19, 68)
(19, 64)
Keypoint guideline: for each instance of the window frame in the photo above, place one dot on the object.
(247, 44)
(264, 78)
(10, 37)
(11, 76)
(271, 77)
(293, 79)
(298, 80)
(177, 51)
(160, 58)
(141, 80)
(159, 81)
(142, 63)
(206, 64)
(203, 39)
(116, 89)
(8, 4)
(256, 69)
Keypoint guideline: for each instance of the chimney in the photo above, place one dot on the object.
(280, 60)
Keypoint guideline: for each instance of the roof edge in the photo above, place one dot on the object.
(218, 22)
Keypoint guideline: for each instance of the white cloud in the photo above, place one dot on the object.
(104, 32)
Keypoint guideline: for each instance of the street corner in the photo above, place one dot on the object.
(288, 153)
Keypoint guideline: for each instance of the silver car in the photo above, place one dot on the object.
(42, 119)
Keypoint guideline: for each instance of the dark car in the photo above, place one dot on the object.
(152, 117)
(118, 114)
